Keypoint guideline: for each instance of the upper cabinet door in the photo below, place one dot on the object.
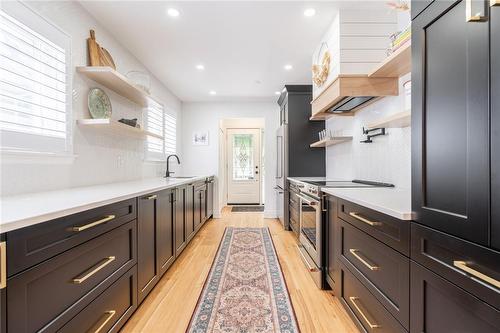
(450, 119)
(495, 123)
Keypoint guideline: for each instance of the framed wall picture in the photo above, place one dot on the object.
(200, 138)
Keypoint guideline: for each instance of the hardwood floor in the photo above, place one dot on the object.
(169, 306)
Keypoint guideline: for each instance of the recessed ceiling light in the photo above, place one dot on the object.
(309, 12)
(173, 12)
(288, 67)
(277, 93)
(213, 92)
(200, 67)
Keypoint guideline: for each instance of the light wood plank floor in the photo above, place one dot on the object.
(169, 306)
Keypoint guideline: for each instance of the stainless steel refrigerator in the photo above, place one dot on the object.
(295, 158)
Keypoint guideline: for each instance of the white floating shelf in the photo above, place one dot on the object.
(117, 127)
(397, 120)
(117, 82)
(332, 141)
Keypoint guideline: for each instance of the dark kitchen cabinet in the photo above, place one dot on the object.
(189, 210)
(180, 221)
(333, 246)
(200, 206)
(3, 291)
(165, 229)
(450, 120)
(495, 124)
(155, 227)
(439, 306)
(210, 197)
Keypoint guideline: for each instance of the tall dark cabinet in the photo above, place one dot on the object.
(450, 124)
(455, 262)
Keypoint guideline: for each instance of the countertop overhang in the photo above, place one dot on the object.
(25, 210)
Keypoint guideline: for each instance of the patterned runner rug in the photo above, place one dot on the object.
(245, 291)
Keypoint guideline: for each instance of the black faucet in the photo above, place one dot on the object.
(168, 173)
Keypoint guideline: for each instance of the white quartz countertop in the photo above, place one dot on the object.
(28, 209)
(305, 179)
(391, 201)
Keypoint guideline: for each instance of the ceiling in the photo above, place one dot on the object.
(243, 46)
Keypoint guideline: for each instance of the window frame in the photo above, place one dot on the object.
(47, 29)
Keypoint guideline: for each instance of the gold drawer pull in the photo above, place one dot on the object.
(473, 18)
(109, 315)
(362, 219)
(353, 301)
(93, 224)
(90, 272)
(3, 265)
(462, 265)
(151, 197)
(363, 261)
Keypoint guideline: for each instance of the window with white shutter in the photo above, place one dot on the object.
(35, 83)
(154, 123)
(170, 135)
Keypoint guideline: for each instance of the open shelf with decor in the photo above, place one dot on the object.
(395, 65)
(397, 120)
(113, 126)
(117, 82)
(330, 141)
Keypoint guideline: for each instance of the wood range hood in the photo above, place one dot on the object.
(350, 92)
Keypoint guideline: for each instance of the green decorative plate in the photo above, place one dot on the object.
(99, 104)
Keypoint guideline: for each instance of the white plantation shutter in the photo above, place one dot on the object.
(35, 98)
(154, 124)
(170, 134)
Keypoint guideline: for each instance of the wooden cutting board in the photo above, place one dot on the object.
(98, 56)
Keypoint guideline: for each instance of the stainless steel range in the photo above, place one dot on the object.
(312, 216)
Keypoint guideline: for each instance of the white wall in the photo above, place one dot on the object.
(387, 159)
(206, 160)
(100, 158)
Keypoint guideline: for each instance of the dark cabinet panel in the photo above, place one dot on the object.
(417, 6)
(148, 270)
(387, 229)
(210, 198)
(333, 243)
(450, 121)
(363, 307)
(110, 310)
(29, 246)
(165, 229)
(384, 271)
(495, 125)
(180, 222)
(46, 296)
(439, 306)
(197, 209)
(470, 266)
(189, 210)
(203, 204)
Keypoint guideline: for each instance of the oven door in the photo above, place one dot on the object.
(310, 234)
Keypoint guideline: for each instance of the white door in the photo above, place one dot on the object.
(243, 166)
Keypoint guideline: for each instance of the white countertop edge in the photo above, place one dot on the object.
(406, 214)
(34, 219)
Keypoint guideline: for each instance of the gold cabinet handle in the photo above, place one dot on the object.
(109, 315)
(462, 265)
(91, 271)
(354, 252)
(93, 224)
(362, 219)
(151, 197)
(3, 265)
(365, 318)
(494, 3)
(468, 13)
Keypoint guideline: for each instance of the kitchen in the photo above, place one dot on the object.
(336, 175)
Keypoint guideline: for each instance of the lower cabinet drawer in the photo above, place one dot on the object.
(439, 306)
(364, 307)
(110, 310)
(470, 266)
(384, 271)
(49, 294)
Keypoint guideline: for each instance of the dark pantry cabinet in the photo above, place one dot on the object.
(495, 123)
(450, 120)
